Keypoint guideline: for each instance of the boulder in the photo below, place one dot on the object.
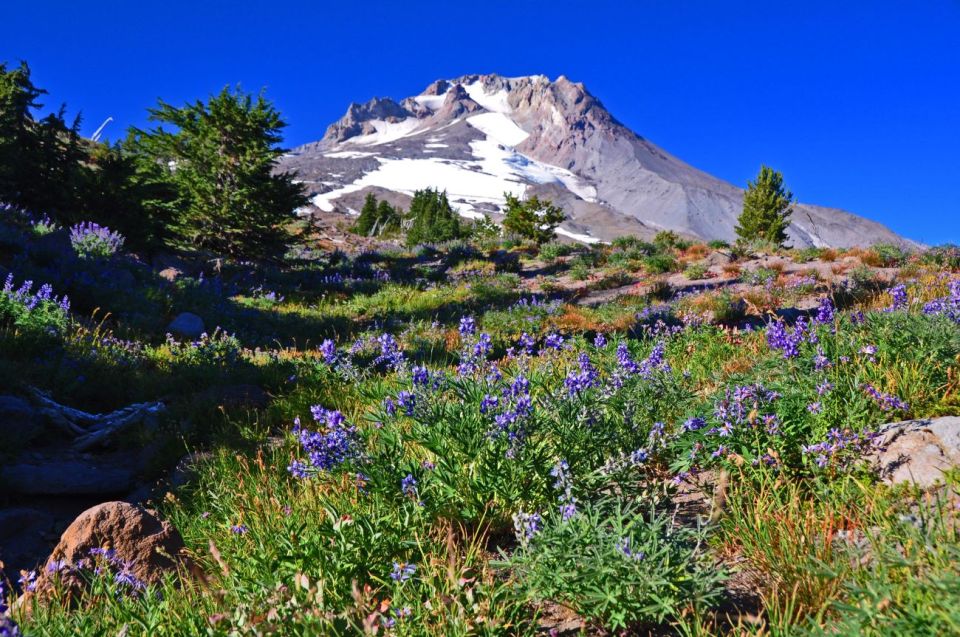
(719, 258)
(19, 421)
(917, 451)
(141, 548)
(187, 325)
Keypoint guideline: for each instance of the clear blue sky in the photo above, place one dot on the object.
(858, 103)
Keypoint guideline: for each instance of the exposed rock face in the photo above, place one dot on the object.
(54, 474)
(142, 546)
(478, 136)
(187, 325)
(918, 451)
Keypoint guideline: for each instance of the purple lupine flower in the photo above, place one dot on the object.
(624, 360)
(815, 407)
(826, 311)
(899, 295)
(655, 362)
(887, 402)
(8, 627)
(125, 578)
(421, 376)
(824, 387)
(28, 581)
(526, 525)
(328, 350)
(657, 431)
(527, 343)
(408, 486)
(568, 503)
(781, 338)
(624, 546)
(402, 571)
(335, 443)
(407, 401)
(820, 361)
(600, 341)
(390, 406)
(239, 529)
(841, 448)
(585, 378)
(488, 403)
(483, 346)
(298, 469)
(90, 240)
(468, 326)
(553, 341)
(694, 424)
(389, 352)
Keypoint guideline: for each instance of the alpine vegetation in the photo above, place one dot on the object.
(264, 418)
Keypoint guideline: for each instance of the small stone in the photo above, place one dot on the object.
(187, 325)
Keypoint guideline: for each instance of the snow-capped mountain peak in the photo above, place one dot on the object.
(481, 136)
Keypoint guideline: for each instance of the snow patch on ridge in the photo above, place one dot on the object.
(499, 127)
(386, 132)
(494, 102)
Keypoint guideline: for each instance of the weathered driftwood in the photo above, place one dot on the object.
(92, 430)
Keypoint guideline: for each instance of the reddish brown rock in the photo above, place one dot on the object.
(142, 547)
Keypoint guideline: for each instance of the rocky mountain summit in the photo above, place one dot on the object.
(479, 136)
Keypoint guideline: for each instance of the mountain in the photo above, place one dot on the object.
(479, 136)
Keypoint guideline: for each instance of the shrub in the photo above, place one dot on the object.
(554, 250)
(667, 239)
(33, 311)
(92, 241)
(759, 276)
(696, 271)
(889, 255)
(945, 256)
(660, 263)
(613, 565)
(579, 271)
(534, 219)
(718, 244)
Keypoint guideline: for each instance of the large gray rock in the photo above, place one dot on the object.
(187, 325)
(918, 451)
(19, 421)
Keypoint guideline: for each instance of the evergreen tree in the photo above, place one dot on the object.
(42, 161)
(368, 216)
(767, 207)
(376, 218)
(388, 218)
(535, 219)
(219, 161)
(431, 218)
